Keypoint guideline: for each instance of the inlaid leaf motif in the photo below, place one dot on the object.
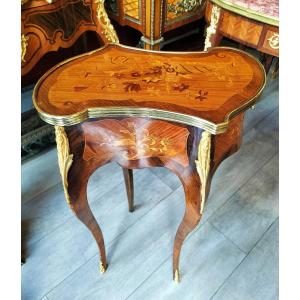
(155, 71)
(202, 95)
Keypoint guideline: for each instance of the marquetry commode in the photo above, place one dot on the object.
(139, 108)
(154, 18)
(252, 23)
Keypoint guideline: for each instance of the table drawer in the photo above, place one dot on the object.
(240, 28)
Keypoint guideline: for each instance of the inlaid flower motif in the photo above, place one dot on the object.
(119, 75)
(131, 86)
(136, 74)
(150, 79)
(180, 87)
(168, 68)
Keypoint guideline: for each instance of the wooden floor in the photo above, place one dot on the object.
(233, 253)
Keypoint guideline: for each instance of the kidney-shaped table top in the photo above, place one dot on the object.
(203, 89)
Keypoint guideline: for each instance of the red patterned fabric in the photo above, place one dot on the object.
(267, 7)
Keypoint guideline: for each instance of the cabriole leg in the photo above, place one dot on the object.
(75, 189)
(190, 219)
(195, 196)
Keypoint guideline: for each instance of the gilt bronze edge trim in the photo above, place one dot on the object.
(152, 113)
(99, 112)
(246, 12)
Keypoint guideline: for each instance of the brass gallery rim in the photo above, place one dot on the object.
(104, 112)
(115, 111)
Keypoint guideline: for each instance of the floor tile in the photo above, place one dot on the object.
(167, 177)
(39, 174)
(260, 144)
(252, 209)
(256, 278)
(207, 260)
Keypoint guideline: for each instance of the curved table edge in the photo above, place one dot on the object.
(98, 112)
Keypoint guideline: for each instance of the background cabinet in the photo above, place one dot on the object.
(153, 18)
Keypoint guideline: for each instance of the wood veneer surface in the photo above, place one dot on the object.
(209, 85)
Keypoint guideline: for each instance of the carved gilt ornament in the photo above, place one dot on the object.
(203, 164)
(65, 159)
(24, 45)
(212, 28)
(177, 277)
(108, 30)
(274, 41)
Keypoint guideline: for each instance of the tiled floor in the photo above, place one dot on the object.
(233, 254)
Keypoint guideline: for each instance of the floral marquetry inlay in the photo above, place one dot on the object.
(166, 85)
(117, 74)
(135, 138)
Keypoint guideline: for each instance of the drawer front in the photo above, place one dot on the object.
(135, 139)
(240, 28)
(270, 42)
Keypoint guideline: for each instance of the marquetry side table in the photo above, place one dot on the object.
(252, 23)
(138, 108)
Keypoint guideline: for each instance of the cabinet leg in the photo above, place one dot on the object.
(275, 71)
(196, 183)
(128, 178)
(190, 220)
(83, 212)
(267, 63)
(75, 174)
(151, 44)
(78, 180)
